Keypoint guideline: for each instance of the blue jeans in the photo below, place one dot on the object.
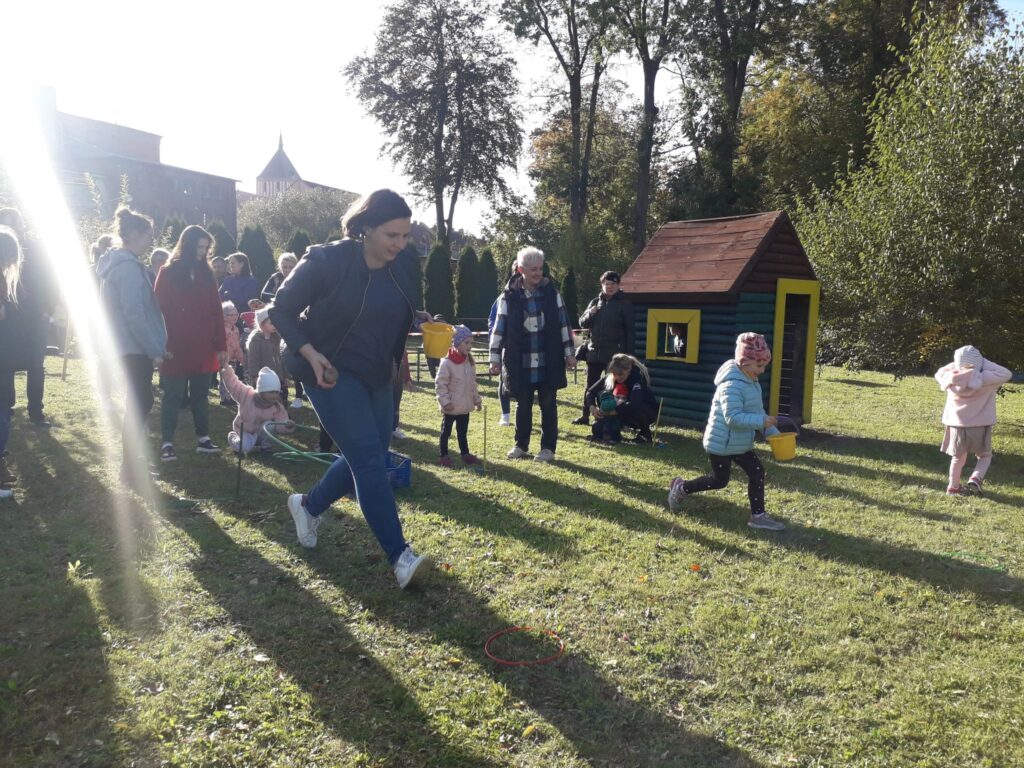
(359, 420)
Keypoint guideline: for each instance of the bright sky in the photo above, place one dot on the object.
(219, 79)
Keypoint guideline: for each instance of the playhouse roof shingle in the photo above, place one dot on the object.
(704, 256)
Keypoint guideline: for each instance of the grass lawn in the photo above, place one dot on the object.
(884, 628)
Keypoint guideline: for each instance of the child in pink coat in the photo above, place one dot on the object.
(970, 383)
(457, 394)
(255, 408)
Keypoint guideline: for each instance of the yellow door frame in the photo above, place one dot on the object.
(793, 287)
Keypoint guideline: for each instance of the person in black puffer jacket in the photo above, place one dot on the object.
(609, 318)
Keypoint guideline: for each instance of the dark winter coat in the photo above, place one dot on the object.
(611, 327)
(194, 319)
(322, 299)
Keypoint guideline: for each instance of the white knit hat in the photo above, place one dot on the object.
(263, 313)
(968, 356)
(268, 381)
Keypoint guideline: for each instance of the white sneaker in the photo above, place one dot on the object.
(297, 403)
(504, 421)
(545, 454)
(305, 523)
(676, 494)
(518, 453)
(408, 566)
(398, 434)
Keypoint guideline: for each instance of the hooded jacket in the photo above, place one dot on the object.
(737, 413)
(132, 309)
(971, 393)
(323, 297)
(251, 415)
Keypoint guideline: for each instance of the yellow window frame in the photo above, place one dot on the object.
(688, 317)
(784, 288)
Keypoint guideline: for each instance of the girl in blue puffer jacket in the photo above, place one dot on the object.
(737, 413)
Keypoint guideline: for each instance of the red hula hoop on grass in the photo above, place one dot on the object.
(531, 663)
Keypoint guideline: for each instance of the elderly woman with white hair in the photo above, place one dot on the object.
(532, 340)
(285, 264)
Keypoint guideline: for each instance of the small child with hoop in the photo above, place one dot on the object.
(457, 395)
(737, 414)
(255, 408)
(970, 383)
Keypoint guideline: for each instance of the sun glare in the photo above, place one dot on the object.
(27, 161)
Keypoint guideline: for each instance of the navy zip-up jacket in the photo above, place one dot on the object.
(323, 297)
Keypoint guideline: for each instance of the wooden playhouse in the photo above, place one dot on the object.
(698, 284)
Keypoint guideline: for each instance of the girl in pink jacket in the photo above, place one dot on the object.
(457, 394)
(970, 383)
(255, 408)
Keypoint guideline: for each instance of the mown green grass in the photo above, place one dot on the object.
(884, 628)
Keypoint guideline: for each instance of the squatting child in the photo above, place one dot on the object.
(255, 408)
(737, 413)
(970, 383)
(457, 394)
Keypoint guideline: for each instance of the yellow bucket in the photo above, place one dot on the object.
(783, 445)
(437, 338)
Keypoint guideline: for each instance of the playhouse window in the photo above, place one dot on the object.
(673, 334)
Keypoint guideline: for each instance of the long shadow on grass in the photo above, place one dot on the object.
(61, 705)
(941, 571)
(605, 726)
(573, 695)
(352, 695)
(613, 511)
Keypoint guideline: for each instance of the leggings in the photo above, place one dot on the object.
(957, 463)
(461, 423)
(719, 478)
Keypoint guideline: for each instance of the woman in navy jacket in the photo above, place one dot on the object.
(344, 314)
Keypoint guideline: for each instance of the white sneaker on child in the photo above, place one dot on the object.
(297, 403)
(504, 421)
(398, 434)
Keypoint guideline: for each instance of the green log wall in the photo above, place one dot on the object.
(689, 387)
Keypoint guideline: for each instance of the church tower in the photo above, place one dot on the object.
(279, 174)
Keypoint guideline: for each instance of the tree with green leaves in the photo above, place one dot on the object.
(918, 250)
(654, 30)
(576, 34)
(298, 243)
(443, 89)
(223, 241)
(315, 211)
(805, 120)
(488, 280)
(172, 229)
(438, 291)
(467, 289)
(253, 243)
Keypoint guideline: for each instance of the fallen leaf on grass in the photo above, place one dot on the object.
(643, 579)
(446, 566)
(528, 730)
(453, 661)
(695, 567)
(261, 657)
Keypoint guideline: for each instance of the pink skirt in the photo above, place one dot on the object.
(959, 440)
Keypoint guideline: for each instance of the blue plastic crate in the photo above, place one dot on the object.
(399, 470)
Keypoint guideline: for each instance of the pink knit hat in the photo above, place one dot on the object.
(752, 348)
